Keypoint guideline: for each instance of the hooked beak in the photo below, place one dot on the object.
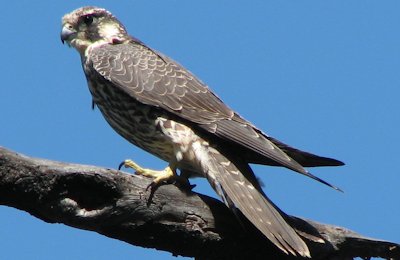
(66, 33)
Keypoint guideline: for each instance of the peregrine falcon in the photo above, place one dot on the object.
(161, 107)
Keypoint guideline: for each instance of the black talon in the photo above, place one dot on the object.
(152, 186)
(120, 165)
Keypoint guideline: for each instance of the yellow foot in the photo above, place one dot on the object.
(167, 174)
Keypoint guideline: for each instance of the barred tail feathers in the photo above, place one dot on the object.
(234, 188)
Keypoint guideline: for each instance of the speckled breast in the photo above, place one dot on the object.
(135, 121)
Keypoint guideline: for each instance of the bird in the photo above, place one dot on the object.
(160, 106)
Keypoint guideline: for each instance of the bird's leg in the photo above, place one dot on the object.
(166, 175)
(169, 173)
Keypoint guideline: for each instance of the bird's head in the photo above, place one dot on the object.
(91, 25)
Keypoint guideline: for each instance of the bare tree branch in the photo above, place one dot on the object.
(117, 205)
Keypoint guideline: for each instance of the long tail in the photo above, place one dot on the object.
(234, 188)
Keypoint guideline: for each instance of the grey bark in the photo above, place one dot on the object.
(172, 218)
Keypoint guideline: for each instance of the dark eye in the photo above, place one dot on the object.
(88, 19)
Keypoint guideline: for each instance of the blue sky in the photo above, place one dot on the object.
(321, 76)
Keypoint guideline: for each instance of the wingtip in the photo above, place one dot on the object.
(339, 163)
(325, 161)
(332, 186)
(308, 174)
(338, 189)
